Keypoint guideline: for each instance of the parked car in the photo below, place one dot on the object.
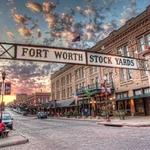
(8, 120)
(24, 113)
(41, 115)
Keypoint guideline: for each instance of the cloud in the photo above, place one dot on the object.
(92, 22)
(129, 12)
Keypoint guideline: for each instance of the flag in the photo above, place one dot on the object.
(77, 38)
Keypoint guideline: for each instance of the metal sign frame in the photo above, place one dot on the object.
(12, 51)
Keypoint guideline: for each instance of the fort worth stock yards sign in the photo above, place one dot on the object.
(65, 55)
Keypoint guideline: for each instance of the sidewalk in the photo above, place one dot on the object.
(13, 139)
(136, 121)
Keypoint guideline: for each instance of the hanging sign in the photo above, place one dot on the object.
(51, 54)
(66, 55)
(111, 61)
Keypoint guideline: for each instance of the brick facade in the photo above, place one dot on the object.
(126, 41)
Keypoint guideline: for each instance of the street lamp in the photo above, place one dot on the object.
(106, 104)
(2, 91)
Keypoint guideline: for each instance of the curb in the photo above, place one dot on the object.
(19, 142)
(109, 124)
(74, 119)
(123, 125)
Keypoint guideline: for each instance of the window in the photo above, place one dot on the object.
(148, 39)
(67, 78)
(129, 72)
(122, 75)
(142, 41)
(144, 73)
(96, 79)
(62, 81)
(141, 44)
(123, 50)
(122, 95)
(146, 90)
(95, 69)
(82, 84)
(138, 92)
(91, 70)
(109, 77)
(57, 84)
(92, 81)
(125, 75)
(68, 90)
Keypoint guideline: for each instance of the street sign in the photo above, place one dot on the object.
(66, 55)
(7, 89)
(51, 54)
(111, 61)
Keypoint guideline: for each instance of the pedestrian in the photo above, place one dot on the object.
(2, 127)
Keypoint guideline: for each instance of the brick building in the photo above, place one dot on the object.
(131, 87)
(21, 98)
(38, 98)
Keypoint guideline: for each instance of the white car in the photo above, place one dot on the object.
(8, 120)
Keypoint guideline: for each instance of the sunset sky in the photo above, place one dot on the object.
(57, 23)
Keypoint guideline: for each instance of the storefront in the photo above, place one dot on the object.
(93, 101)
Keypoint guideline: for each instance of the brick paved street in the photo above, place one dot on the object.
(54, 134)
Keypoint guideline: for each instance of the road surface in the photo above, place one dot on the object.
(54, 134)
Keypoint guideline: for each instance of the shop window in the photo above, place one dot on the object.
(139, 107)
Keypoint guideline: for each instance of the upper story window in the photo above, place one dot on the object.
(143, 41)
(148, 39)
(79, 73)
(146, 90)
(123, 50)
(91, 70)
(125, 75)
(122, 95)
(62, 81)
(138, 92)
(109, 77)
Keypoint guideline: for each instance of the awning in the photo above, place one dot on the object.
(65, 103)
(141, 96)
(124, 98)
(134, 97)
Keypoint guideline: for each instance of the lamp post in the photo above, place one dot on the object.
(106, 104)
(2, 91)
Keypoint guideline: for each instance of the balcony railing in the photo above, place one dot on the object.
(94, 87)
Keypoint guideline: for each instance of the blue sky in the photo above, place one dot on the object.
(93, 20)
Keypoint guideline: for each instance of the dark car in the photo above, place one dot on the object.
(8, 120)
(41, 115)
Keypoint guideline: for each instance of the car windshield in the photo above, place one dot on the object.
(6, 117)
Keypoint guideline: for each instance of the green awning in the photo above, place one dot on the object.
(141, 96)
(123, 99)
(134, 97)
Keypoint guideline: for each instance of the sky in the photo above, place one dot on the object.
(57, 23)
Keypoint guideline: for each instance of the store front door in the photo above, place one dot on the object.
(147, 106)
